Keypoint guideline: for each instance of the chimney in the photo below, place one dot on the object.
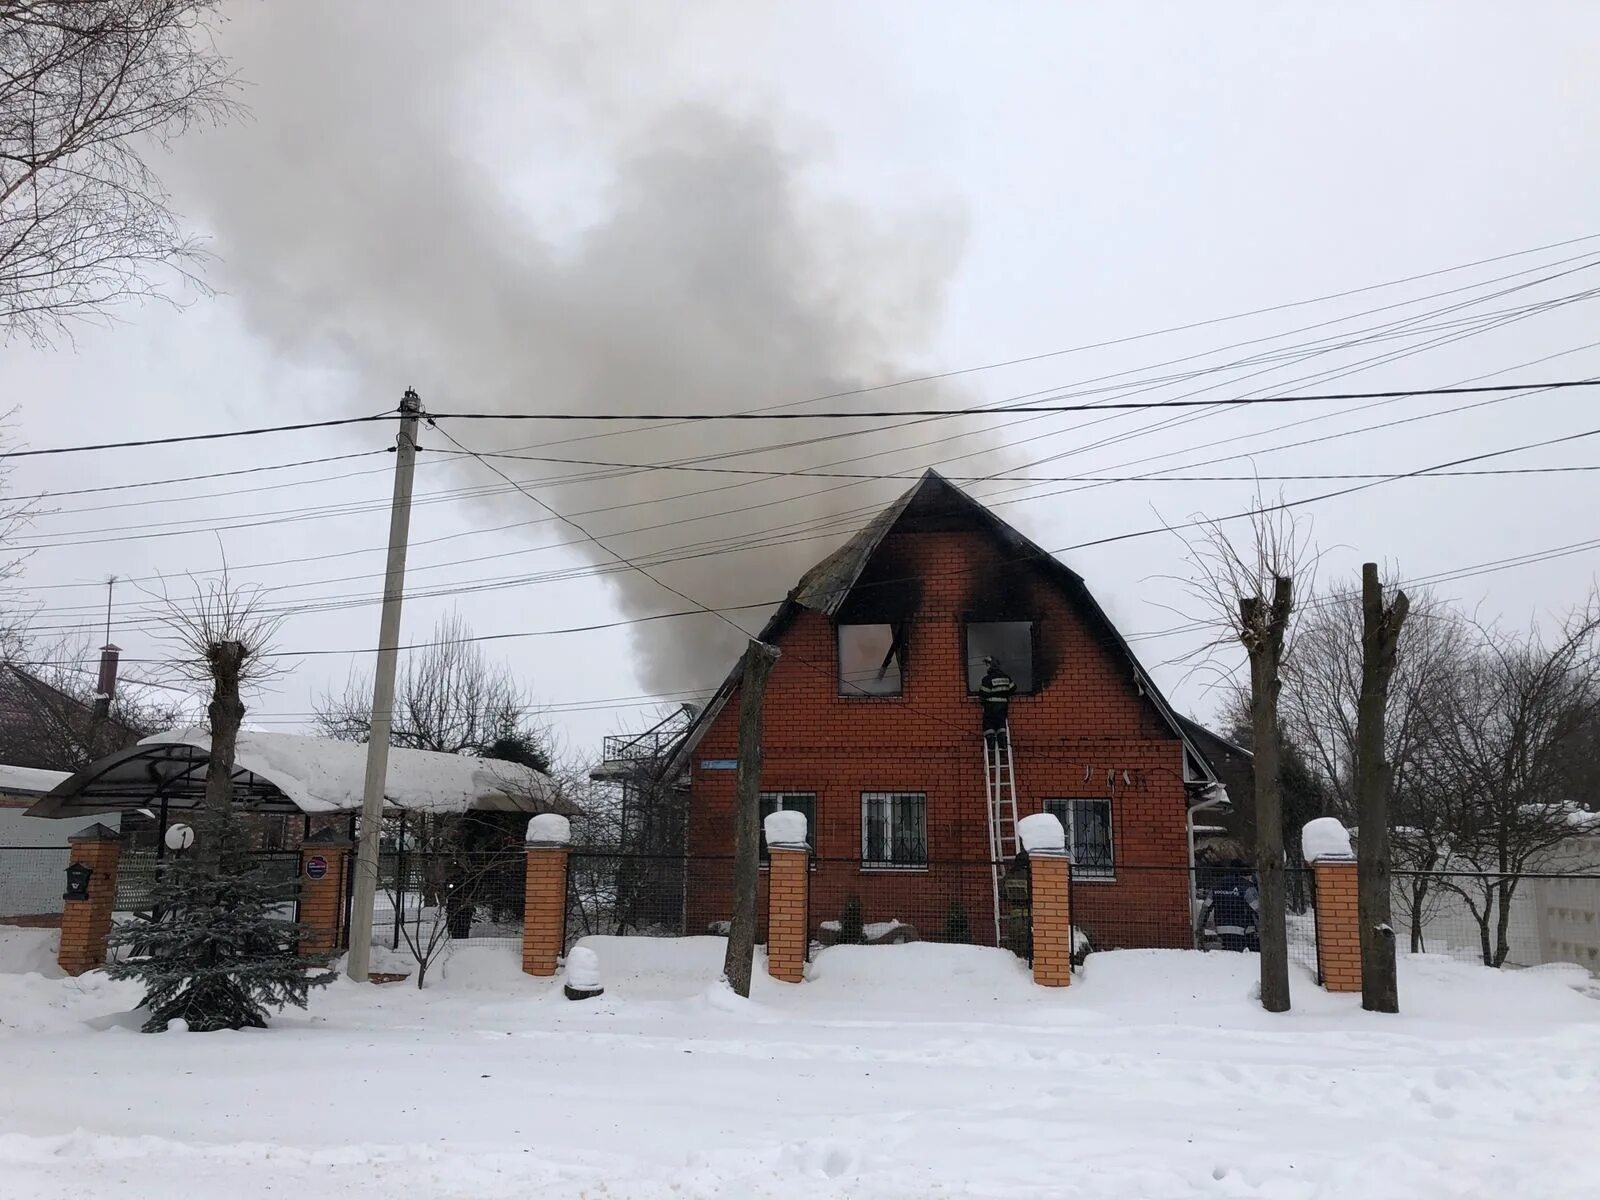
(106, 688)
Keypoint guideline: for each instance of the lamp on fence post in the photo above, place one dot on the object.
(179, 838)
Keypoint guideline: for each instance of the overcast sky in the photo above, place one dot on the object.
(643, 209)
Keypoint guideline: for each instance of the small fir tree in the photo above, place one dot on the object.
(852, 931)
(957, 928)
(217, 955)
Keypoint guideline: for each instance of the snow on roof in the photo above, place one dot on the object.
(321, 775)
(28, 781)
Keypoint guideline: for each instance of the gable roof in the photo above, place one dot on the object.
(45, 728)
(826, 586)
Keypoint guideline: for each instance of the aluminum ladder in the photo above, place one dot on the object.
(1000, 790)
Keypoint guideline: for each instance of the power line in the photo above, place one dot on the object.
(1099, 406)
(873, 414)
(1091, 543)
(200, 437)
(1467, 571)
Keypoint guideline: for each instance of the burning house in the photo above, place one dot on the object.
(872, 731)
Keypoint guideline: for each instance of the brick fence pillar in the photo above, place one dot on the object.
(1050, 871)
(1338, 925)
(324, 882)
(86, 923)
(788, 927)
(1052, 917)
(544, 897)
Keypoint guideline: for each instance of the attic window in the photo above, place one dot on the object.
(870, 659)
(1010, 642)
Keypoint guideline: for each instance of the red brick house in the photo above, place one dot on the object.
(872, 729)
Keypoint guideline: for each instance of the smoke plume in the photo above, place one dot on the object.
(535, 212)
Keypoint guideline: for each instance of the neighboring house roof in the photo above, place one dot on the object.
(313, 774)
(826, 586)
(43, 727)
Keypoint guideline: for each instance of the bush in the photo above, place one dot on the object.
(957, 928)
(852, 929)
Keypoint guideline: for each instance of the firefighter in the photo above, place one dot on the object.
(994, 690)
(1236, 904)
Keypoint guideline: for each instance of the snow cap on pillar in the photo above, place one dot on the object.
(1325, 840)
(549, 829)
(785, 828)
(1041, 833)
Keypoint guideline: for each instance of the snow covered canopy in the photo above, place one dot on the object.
(290, 772)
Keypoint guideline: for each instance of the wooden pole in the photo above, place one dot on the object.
(759, 659)
(1380, 636)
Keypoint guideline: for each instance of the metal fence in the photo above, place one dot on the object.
(654, 895)
(32, 880)
(453, 895)
(1522, 920)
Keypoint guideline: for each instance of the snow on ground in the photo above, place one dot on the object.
(897, 1071)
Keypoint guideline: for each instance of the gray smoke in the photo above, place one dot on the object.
(534, 213)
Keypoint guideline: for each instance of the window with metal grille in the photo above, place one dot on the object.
(1010, 643)
(869, 659)
(894, 829)
(800, 802)
(1088, 827)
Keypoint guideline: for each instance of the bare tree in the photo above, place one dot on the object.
(449, 698)
(759, 659)
(428, 925)
(1380, 638)
(1505, 767)
(1321, 700)
(71, 727)
(87, 87)
(220, 638)
(1251, 592)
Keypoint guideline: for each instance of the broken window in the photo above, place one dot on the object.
(1010, 643)
(870, 659)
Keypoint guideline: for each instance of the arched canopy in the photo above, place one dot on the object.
(290, 772)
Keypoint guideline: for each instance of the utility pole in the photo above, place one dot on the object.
(394, 584)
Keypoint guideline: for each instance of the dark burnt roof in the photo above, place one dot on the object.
(43, 727)
(932, 503)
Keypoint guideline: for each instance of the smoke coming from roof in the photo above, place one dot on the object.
(536, 214)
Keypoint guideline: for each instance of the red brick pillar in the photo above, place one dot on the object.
(1052, 917)
(1338, 925)
(324, 883)
(1050, 887)
(788, 927)
(86, 923)
(544, 897)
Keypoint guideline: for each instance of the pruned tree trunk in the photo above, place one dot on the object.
(1380, 635)
(1264, 634)
(759, 659)
(226, 712)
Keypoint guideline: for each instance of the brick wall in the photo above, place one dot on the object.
(1087, 717)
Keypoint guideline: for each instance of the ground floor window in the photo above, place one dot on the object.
(1088, 826)
(894, 829)
(800, 802)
